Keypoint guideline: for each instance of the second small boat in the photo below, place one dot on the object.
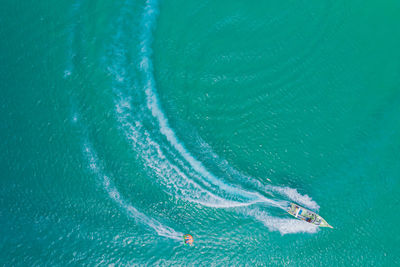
(307, 215)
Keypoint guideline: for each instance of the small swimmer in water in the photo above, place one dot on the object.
(188, 239)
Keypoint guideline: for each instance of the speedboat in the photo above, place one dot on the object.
(307, 215)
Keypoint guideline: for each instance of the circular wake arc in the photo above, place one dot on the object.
(137, 104)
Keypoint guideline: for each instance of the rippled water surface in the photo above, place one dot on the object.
(127, 124)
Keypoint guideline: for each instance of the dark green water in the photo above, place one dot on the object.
(125, 125)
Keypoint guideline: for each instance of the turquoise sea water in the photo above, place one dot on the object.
(126, 124)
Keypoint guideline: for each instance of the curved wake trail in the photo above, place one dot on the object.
(146, 65)
(151, 153)
(170, 175)
(148, 23)
(177, 178)
(114, 194)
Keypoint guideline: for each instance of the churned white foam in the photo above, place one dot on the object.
(295, 196)
(284, 226)
(114, 194)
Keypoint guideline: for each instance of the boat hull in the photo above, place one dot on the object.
(307, 215)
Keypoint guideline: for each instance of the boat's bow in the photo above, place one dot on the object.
(307, 215)
(324, 223)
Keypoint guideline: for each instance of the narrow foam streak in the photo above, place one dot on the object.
(114, 194)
